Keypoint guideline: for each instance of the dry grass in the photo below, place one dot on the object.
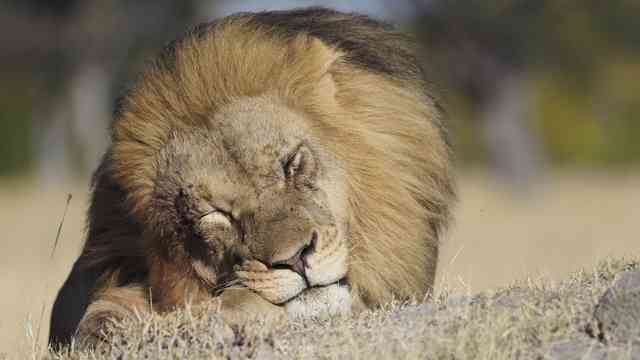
(572, 221)
(525, 321)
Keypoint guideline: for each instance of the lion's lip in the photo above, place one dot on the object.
(300, 267)
(341, 282)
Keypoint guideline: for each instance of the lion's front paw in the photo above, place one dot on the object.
(275, 285)
(241, 305)
(97, 327)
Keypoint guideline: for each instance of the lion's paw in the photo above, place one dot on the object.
(275, 285)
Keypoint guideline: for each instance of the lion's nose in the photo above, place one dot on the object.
(298, 262)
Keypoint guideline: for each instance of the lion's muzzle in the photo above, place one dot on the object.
(298, 262)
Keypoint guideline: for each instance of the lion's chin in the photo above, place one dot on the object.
(321, 302)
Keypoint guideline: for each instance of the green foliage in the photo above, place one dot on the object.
(466, 134)
(597, 125)
(15, 130)
(582, 58)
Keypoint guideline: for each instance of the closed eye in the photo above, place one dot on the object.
(292, 162)
(216, 217)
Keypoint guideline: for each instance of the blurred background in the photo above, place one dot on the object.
(542, 100)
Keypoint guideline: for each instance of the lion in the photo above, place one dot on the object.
(275, 162)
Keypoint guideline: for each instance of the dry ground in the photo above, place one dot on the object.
(571, 221)
(591, 316)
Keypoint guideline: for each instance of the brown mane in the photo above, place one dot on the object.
(358, 81)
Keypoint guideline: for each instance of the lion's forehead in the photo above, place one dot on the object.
(261, 126)
(248, 138)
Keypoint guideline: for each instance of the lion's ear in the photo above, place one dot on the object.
(313, 67)
(327, 86)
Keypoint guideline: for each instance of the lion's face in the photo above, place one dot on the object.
(254, 186)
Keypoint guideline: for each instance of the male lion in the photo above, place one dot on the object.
(263, 159)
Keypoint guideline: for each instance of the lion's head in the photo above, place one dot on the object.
(241, 143)
(253, 184)
(290, 153)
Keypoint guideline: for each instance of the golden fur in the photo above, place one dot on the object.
(373, 117)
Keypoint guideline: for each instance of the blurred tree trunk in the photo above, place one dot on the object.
(73, 123)
(513, 149)
(90, 94)
(96, 41)
(52, 140)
